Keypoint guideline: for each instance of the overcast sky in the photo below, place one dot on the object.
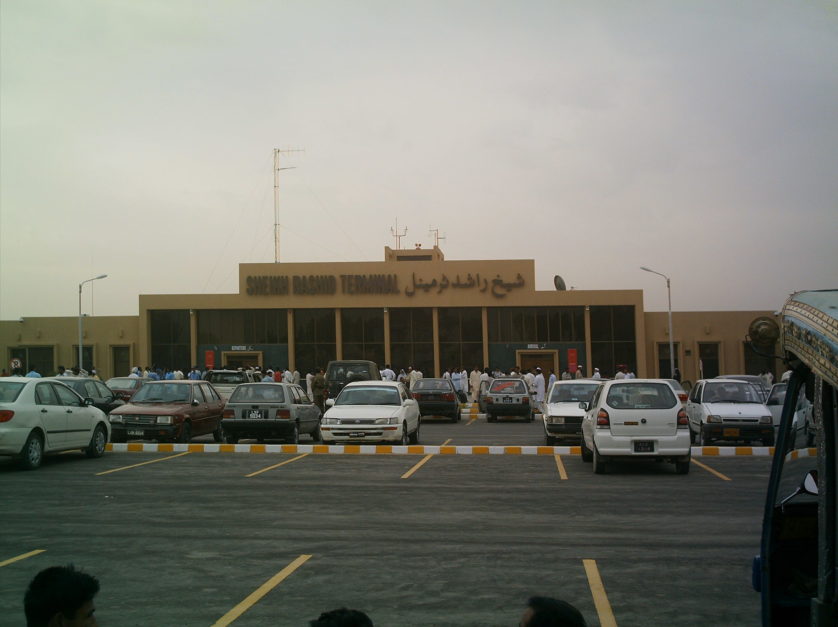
(696, 138)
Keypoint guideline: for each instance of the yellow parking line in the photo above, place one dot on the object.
(421, 463)
(468, 424)
(560, 466)
(153, 461)
(261, 591)
(710, 470)
(12, 560)
(287, 461)
(603, 607)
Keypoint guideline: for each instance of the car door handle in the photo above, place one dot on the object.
(43, 411)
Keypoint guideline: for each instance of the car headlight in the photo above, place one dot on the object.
(115, 419)
(394, 420)
(556, 420)
(765, 420)
(714, 418)
(164, 420)
(330, 421)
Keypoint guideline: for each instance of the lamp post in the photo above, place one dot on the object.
(96, 278)
(671, 341)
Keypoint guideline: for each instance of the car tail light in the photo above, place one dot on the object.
(283, 413)
(682, 397)
(449, 397)
(603, 420)
(526, 400)
(489, 400)
(228, 413)
(683, 421)
(6, 415)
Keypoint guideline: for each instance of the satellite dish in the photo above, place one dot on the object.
(764, 331)
(559, 283)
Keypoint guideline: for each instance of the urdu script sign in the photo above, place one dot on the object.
(360, 284)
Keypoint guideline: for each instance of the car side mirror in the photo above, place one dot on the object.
(88, 401)
(195, 402)
(330, 402)
(410, 401)
(583, 405)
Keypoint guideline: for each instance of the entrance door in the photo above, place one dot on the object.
(241, 359)
(546, 360)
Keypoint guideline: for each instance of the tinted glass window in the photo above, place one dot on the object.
(66, 396)
(730, 392)
(368, 395)
(163, 393)
(90, 390)
(44, 395)
(10, 391)
(210, 393)
(513, 386)
(572, 393)
(268, 392)
(433, 384)
(123, 384)
(227, 377)
(198, 393)
(641, 396)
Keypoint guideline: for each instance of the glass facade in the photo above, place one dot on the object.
(170, 339)
(314, 338)
(613, 341)
(460, 337)
(536, 324)
(242, 326)
(363, 334)
(412, 339)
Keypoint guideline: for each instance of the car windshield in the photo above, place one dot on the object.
(162, 393)
(641, 396)
(227, 377)
(267, 393)
(9, 391)
(424, 385)
(122, 383)
(574, 393)
(508, 386)
(731, 392)
(368, 395)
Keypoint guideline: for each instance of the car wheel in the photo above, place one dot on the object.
(414, 437)
(185, 433)
(231, 439)
(405, 437)
(218, 434)
(295, 434)
(96, 448)
(682, 468)
(599, 463)
(33, 452)
(587, 455)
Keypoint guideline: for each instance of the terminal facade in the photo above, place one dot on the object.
(412, 309)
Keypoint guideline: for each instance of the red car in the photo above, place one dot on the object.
(174, 411)
(126, 387)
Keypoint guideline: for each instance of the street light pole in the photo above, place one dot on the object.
(669, 307)
(96, 278)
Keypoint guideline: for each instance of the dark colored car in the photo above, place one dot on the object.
(437, 397)
(126, 387)
(270, 410)
(173, 411)
(339, 373)
(103, 397)
(508, 396)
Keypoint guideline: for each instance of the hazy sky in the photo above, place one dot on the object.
(697, 138)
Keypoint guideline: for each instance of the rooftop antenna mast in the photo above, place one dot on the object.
(397, 235)
(277, 153)
(437, 236)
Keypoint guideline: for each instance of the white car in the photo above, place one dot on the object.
(635, 419)
(728, 409)
(560, 410)
(40, 416)
(371, 411)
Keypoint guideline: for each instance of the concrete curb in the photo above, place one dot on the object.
(386, 449)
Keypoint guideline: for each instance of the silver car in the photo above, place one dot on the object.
(270, 410)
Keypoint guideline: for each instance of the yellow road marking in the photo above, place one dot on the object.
(603, 607)
(471, 421)
(12, 560)
(287, 461)
(560, 466)
(153, 461)
(710, 470)
(421, 463)
(261, 591)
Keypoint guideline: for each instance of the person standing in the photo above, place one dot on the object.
(269, 377)
(33, 373)
(596, 374)
(414, 376)
(579, 374)
(539, 387)
(288, 376)
(387, 374)
(318, 389)
(194, 374)
(309, 379)
(457, 381)
(295, 376)
(474, 384)
(551, 380)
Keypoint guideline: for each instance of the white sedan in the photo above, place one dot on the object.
(367, 411)
(40, 416)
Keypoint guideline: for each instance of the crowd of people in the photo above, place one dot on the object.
(63, 596)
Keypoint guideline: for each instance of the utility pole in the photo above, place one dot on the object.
(278, 152)
(397, 235)
(437, 236)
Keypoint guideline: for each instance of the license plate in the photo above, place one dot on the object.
(730, 432)
(136, 432)
(357, 434)
(507, 399)
(644, 446)
(254, 413)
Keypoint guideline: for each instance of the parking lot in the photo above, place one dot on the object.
(253, 539)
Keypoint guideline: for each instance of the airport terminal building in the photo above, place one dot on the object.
(412, 309)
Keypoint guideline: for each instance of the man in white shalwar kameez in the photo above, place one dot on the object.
(538, 386)
(474, 384)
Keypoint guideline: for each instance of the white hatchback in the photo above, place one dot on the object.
(40, 416)
(728, 409)
(371, 411)
(635, 419)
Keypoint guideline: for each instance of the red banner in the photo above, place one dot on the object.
(209, 359)
(572, 358)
